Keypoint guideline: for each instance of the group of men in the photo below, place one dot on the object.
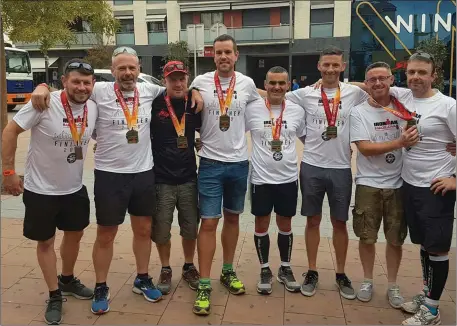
(145, 164)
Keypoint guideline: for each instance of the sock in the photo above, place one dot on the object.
(425, 262)
(205, 281)
(100, 284)
(438, 272)
(262, 246)
(339, 276)
(187, 266)
(165, 267)
(432, 305)
(55, 293)
(144, 276)
(66, 279)
(285, 241)
(227, 267)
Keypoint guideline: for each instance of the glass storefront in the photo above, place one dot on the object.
(390, 30)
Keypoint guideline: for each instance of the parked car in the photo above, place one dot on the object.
(105, 75)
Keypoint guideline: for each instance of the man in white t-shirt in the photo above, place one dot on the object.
(223, 170)
(429, 187)
(380, 134)
(54, 195)
(274, 123)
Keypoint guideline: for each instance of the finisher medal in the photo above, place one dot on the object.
(132, 136)
(224, 122)
(79, 152)
(182, 142)
(332, 131)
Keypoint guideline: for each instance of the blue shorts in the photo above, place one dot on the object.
(221, 182)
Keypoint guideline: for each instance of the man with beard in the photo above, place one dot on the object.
(223, 170)
(380, 134)
(54, 196)
(173, 125)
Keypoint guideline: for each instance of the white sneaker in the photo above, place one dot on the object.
(423, 317)
(394, 296)
(413, 306)
(365, 292)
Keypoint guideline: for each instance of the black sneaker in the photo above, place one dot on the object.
(345, 287)
(76, 289)
(53, 314)
(286, 277)
(266, 279)
(310, 283)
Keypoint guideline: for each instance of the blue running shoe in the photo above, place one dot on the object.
(147, 289)
(100, 302)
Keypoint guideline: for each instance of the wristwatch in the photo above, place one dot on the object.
(8, 172)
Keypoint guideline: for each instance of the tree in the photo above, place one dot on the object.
(100, 56)
(178, 51)
(49, 22)
(439, 51)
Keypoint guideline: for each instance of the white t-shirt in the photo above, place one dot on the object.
(428, 159)
(319, 150)
(113, 153)
(379, 126)
(269, 167)
(230, 145)
(51, 167)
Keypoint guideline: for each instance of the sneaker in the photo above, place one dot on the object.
(191, 276)
(413, 306)
(231, 282)
(286, 277)
(310, 283)
(100, 302)
(266, 279)
(395, 298)
(345, 287)
(423, 317)
(53, 314)
(76, 289)
(164, 283)
(147, 289)
(366, 292)
(202, 305)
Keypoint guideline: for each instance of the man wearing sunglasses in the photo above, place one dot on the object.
(124, 176)
(429, 187)
(173, 125)
(53, 193)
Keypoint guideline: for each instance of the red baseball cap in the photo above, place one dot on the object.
(174, 66)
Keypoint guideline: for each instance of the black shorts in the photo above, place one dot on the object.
(117, 193)
(280, 197)
(430, 217)
(45, 213)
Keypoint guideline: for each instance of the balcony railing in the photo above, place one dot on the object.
(125, 38)
(254, 34)
(83, 40)
(156, 38)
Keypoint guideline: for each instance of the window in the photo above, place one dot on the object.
(256, 17)
(187, 18)
(157, 27)
(79, 26)
(123, 2)
(285, 13)
(126, 26)
(321, 22)
(210, 18)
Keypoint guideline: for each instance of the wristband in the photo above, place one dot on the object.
(45, 85)
(8, 172)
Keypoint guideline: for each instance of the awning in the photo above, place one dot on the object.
(38, 64)
(155, 18)
(260, 4)
(191, 6)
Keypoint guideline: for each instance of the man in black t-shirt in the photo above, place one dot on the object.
(173, 126)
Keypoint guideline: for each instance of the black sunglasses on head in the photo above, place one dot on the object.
(80, 65)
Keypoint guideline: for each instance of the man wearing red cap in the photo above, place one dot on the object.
(173, 125)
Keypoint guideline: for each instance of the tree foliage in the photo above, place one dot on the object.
(178, 51)
(100, 56)
(439, 51)
(48, 22)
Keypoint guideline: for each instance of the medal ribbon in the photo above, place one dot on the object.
(402, 112)
(131, 118)
(331, 115)
(224, 104)
(276, 125)
(71, 121)
(179, 127)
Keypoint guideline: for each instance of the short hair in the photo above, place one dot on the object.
(333, 50)
(277, 70)
(224, 38)
(378, 64)
(424, 57)
(83, 67)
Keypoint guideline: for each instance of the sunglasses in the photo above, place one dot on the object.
(80, 65)
(422, 55)
(173, 67)
(124, 49)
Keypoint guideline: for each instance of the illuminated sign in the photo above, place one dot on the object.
(446, 24)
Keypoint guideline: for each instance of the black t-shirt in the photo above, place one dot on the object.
(173, 165)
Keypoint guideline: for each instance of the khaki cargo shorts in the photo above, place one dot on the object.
(373, 205)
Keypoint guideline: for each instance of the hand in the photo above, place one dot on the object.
(197, 100)
(95, 147)
(318, 84)
(40, 98)
(443, 185)
(198, 144)
(451, 148)
(409, 137)
(13, 184)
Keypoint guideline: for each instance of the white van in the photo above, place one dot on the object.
(105, 75)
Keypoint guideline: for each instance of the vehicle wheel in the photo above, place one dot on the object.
(11, 107)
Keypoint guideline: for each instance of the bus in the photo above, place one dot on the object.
(19, 78)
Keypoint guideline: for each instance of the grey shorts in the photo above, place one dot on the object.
(316, 181)
(184, 198)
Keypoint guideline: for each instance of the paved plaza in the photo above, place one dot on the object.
(23, 290)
